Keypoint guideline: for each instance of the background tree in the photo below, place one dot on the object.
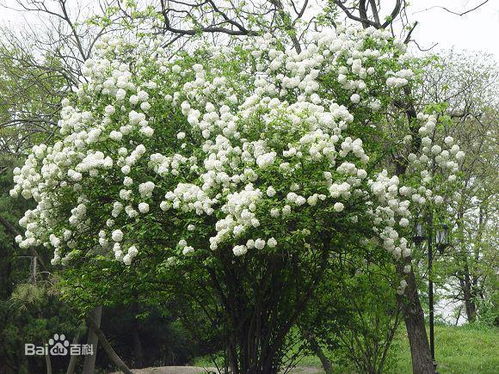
(468, 83)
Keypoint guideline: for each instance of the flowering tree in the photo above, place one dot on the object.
(468, 83)
(239, 171)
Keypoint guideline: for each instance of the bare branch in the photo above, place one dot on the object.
(240, 29)
(366, 22)
(460, 14)
(408, 36)
(424, 49)
(374, 10)
(393, 15)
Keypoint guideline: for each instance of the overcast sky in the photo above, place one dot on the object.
(477, 30)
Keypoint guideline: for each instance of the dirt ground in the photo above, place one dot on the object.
(200, 370)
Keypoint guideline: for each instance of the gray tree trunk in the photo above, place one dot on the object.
(89, 363)
(111, 353)
(48, 363)
(422, 362)
(326, 364)
(73, 359)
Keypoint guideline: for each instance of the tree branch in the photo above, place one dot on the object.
(111, 353)
(460, 14)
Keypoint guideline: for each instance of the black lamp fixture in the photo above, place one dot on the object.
(442, 238)
(419, 233)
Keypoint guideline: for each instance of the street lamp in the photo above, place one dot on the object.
(419, 234)
(442, 238)
(441, 241)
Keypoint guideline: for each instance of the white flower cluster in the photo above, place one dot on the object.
(240, 250)
(188, 197)
(400, 78)
(240, 209)
(240, 145)
(434, 160)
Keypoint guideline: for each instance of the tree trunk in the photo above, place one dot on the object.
(89, 363)
(422, 362)
(257, 330)
(326, 364)
(48, 363)
(33, 270)
(465, 277)
(73, 359)
(469, 303)
(137, 346)
(470, 310)
(111, 353)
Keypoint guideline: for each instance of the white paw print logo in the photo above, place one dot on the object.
(58, 345)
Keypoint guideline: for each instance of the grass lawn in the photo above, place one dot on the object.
(458, 350)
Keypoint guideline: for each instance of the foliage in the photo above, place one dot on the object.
(355, 330)
(468, 83)
(30, 94)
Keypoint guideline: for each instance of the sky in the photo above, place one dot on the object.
(477, 30)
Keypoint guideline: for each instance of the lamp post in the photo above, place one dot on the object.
(430, 296)
(441, 241)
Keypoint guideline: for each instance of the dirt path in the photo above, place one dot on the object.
(200, 370)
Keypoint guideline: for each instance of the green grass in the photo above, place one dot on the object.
(458, 350)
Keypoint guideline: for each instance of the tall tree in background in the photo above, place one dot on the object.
(468, 84)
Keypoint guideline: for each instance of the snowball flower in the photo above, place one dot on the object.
(127, 260)
(338, 207)
(355, 98)
(404, 222)
(259, 243)
(239, 250)
(271, 243)
(133, 251)
(146, 189)
(109, 109)
(117, 235)
(271, 191)
(187, 250)
(143, 207)
(266, 159)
